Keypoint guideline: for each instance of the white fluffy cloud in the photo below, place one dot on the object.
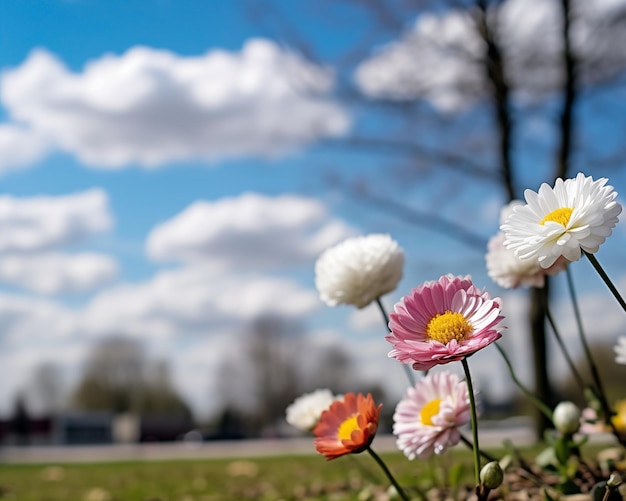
(186, 301)
(369, 318)
(192, 300)
(28, 322)
(35, 230)
(20, 147)
(440, 58)
(151, 106)
(250, 231)
(41, 223)
(55, 273)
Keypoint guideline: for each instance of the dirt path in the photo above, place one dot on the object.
(519, 435)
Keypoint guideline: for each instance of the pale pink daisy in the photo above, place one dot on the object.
(559, 223)
(508, 270)
(443, 321)
(590, 424)
(427, 420)
(511, 272)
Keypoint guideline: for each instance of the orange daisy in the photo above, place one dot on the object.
(348, 426)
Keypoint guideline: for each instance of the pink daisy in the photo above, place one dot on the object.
(443, 321)
(428, 418)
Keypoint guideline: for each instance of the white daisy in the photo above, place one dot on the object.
(620, 351)
(359, 270)
(558, 222)
(305, 411)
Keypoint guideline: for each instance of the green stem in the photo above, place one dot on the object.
(407, 369)
(545, 410)
(581, 332)
(561, 344)
(485, 455)
(594, 262)
(391, 478)
(383, 313)
(470, 389)
(595, 375)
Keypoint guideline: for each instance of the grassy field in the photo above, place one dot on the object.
(355, 477)
(288, 478)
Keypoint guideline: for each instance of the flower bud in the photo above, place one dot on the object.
(614, 481)
(491, 475)
(566, 418)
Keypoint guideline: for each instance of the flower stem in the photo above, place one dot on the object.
(545, 410)
(407, 369)
(581, 332)
(468, 380)
(561, 344)
(391, 478)
(595, 375)
(383, 312)
(466, 441)
(594, 262)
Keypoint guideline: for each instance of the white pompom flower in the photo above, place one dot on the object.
(359, 270)
(305, 411)
(620, 351)
(575, 215)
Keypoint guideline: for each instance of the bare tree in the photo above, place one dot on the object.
(48, 388)
(272, 349)
(118, 377)
(277, 363)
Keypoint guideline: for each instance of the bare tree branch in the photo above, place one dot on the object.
(398, 147)
(500, 94)
(424, 219)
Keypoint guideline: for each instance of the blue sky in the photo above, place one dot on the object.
(163, 178)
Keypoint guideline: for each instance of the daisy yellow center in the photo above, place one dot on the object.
(347, 427)
(429, 410)
(560, 216)
(447, 326)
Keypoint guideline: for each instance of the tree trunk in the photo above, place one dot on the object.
(539, 348)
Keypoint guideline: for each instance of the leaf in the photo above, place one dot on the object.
(455, 475)
(562, 449)
(547, 496)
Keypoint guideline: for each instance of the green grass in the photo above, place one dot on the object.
(306, 477)
(286, 478)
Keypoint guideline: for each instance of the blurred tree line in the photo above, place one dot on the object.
(273, 362)
(276, 363)
(118, 377)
